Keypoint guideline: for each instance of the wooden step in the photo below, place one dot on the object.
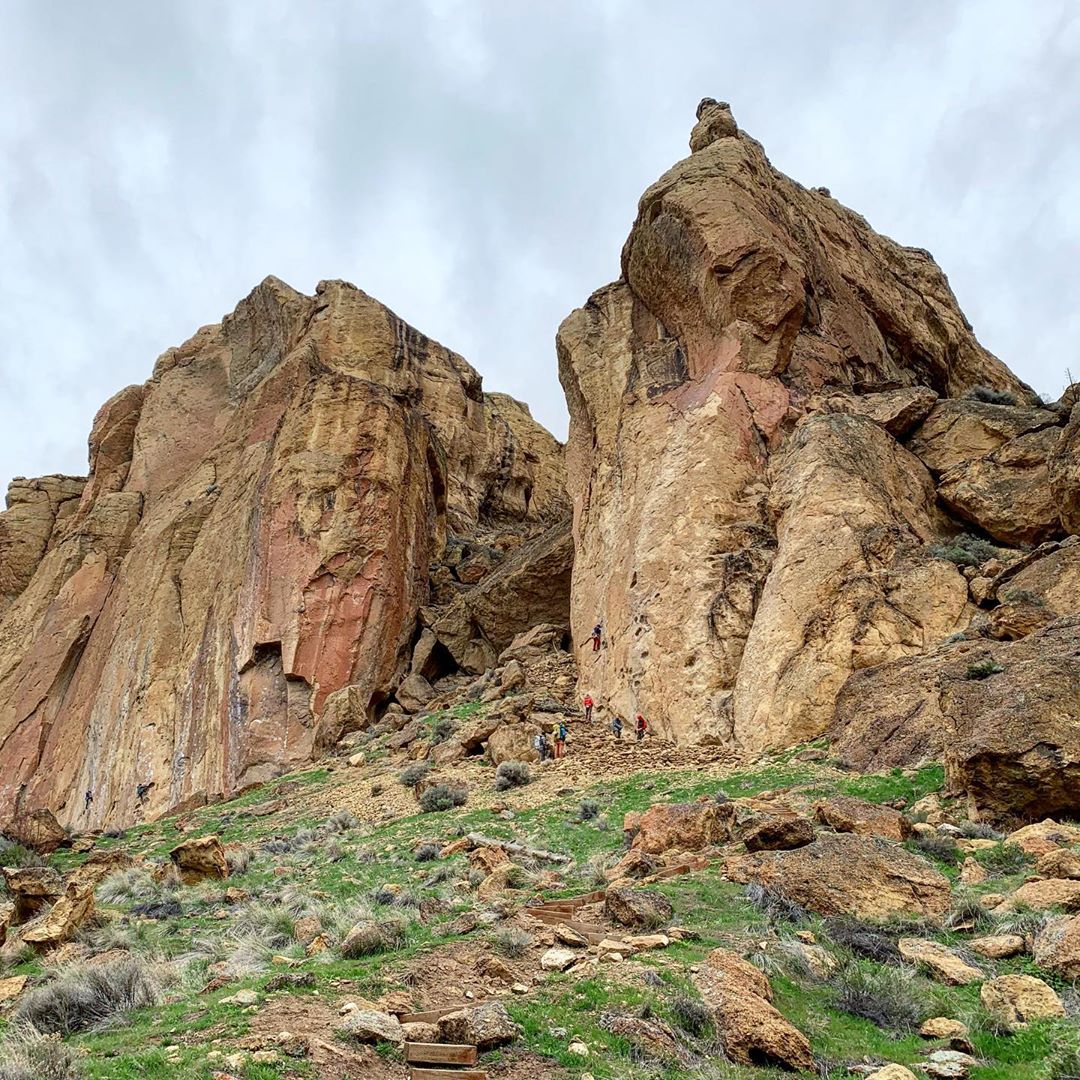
(448, 1074)
(440, 1053)
(431, 1016)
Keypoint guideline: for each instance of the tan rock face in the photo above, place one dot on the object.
(846, 874)
(845, 813)
(199, 859)
(683, 826)
(1064, 473)
(1016, 1000)
(1057, 947)
(942, 963)
(254, 535)
(743, 552)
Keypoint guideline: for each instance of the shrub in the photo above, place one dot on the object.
(411, 775)
(511, 941)
(427, 853)
(442, 729)
(1004, 859)
(693, 1016)
(366, 939)
(273, 924)
(512, 774)
(442, 797)
(936, 846)
(342, 821)
(238, 859)
(14, 854)
(965, 550)
(889, 997)
(862, 939)
(968, 912)
(990, 395)
(28, 1055)
(775, 905)
(134, 885)
(1023, 596)
(588, 809)
(84, 998)
(978, 830)
(983, 669)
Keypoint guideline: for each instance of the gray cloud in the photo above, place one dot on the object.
(476, 165)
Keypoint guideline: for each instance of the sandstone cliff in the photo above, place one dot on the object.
(255, 533)
(776, 414)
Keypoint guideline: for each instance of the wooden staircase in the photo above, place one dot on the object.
(565, 911)
(440, 1061)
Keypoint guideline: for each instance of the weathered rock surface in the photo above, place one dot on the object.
(1016, 1000)
(486, 1026)
(1064, 473)
(844, 813)
(1057, 946)
(372, 1026)
(780, 834)
(844, 874)
(199, 859)
(942, 963)
(683, 826)
(254, 535)
(744, 552)
(637, 907)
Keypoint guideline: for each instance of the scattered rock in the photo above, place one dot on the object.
(1057, 946)
(846, 814)
(200, 859)
(487, 1026)
(1044, 895)
(942, 963)
(1015, 1000)
(63, 920)
(558, 959)
(11, 987)
(779, 834)
(998, 947)
(372, 1026)
(636, 907)
(1059, 863)
(891, 1072)
(32, 888)
(942, 1027)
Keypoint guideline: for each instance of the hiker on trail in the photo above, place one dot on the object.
(548, 752)
(616, 726)
(588, 708)
(561, 733)
(540, 745)
(88, 798)
(641, 727)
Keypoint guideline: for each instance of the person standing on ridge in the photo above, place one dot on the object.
(588, 703)
(641, 727)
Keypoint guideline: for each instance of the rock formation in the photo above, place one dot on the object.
(256, 533)
(780, 422)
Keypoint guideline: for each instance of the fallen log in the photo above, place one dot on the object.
(477, 840)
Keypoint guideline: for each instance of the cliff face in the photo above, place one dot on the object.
(255, 533)
(772, 422)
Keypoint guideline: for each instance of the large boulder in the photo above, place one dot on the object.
(513, 742)
(31, 889)
(1015, 1000)
(63, 920)
(1007, 493)
(898, 411)
(684, 826)
(775, 833)
(1057, 946)
(98, 866)
(373, 1026)
(485, 1026)
(844, 874)
(535, 643)
(38, 830)
(845, 813)
(414, 693)
(637, 907)
(942, 963)
(751, 1029)
(199, 859)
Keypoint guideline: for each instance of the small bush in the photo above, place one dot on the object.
(886, 996)
(14, 854)
(442, 729)
(965, 550)
(862, 939)
(1024, 921)
(1023, 596)
(1004, 859)
(134, 885)
(990, 395)
(978, 830)
(342, 821)
(427, 853)
(588, 809)
(512, 774)
(983, 669)
(238, 859)
(442, 797)
(28, 1055)
(86, 998)
(775, 905)
(411, 775)
(693, 1016)
(935, 846)
(967, 912)
(511, 941)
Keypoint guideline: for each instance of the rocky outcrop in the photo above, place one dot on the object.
(254, 535)
(747, 527)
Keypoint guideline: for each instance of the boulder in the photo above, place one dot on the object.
(476, 731)
(1016, 1000)
(38, 830)
(653, 1037)
(846, 814)
(942, 1027)
(972, 872)
(637, 907)
(684, 826)
(63, 920)
(779, 834)
(1044, 895)
(485, 1026)
(535, 643)
(558, 959)
(1014, 620)
(1043, 837)
(414, 693)
(11, 987)
(898, 411)
(958, 430)
(845, 874)
(751, 1029)
(417, 1031)
(1059, 863)
(1007, 492)
(998, 946)
(891, 1072)
(7, 919)
(513, 742)
(372, 1026)
(1048, 576)
(31, 888)
(99, 866)
(200, 859)
(944, 965)
(1057, 946)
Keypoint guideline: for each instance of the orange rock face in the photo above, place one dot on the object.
(255, 534)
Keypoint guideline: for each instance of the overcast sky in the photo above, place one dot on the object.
(476, 166)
